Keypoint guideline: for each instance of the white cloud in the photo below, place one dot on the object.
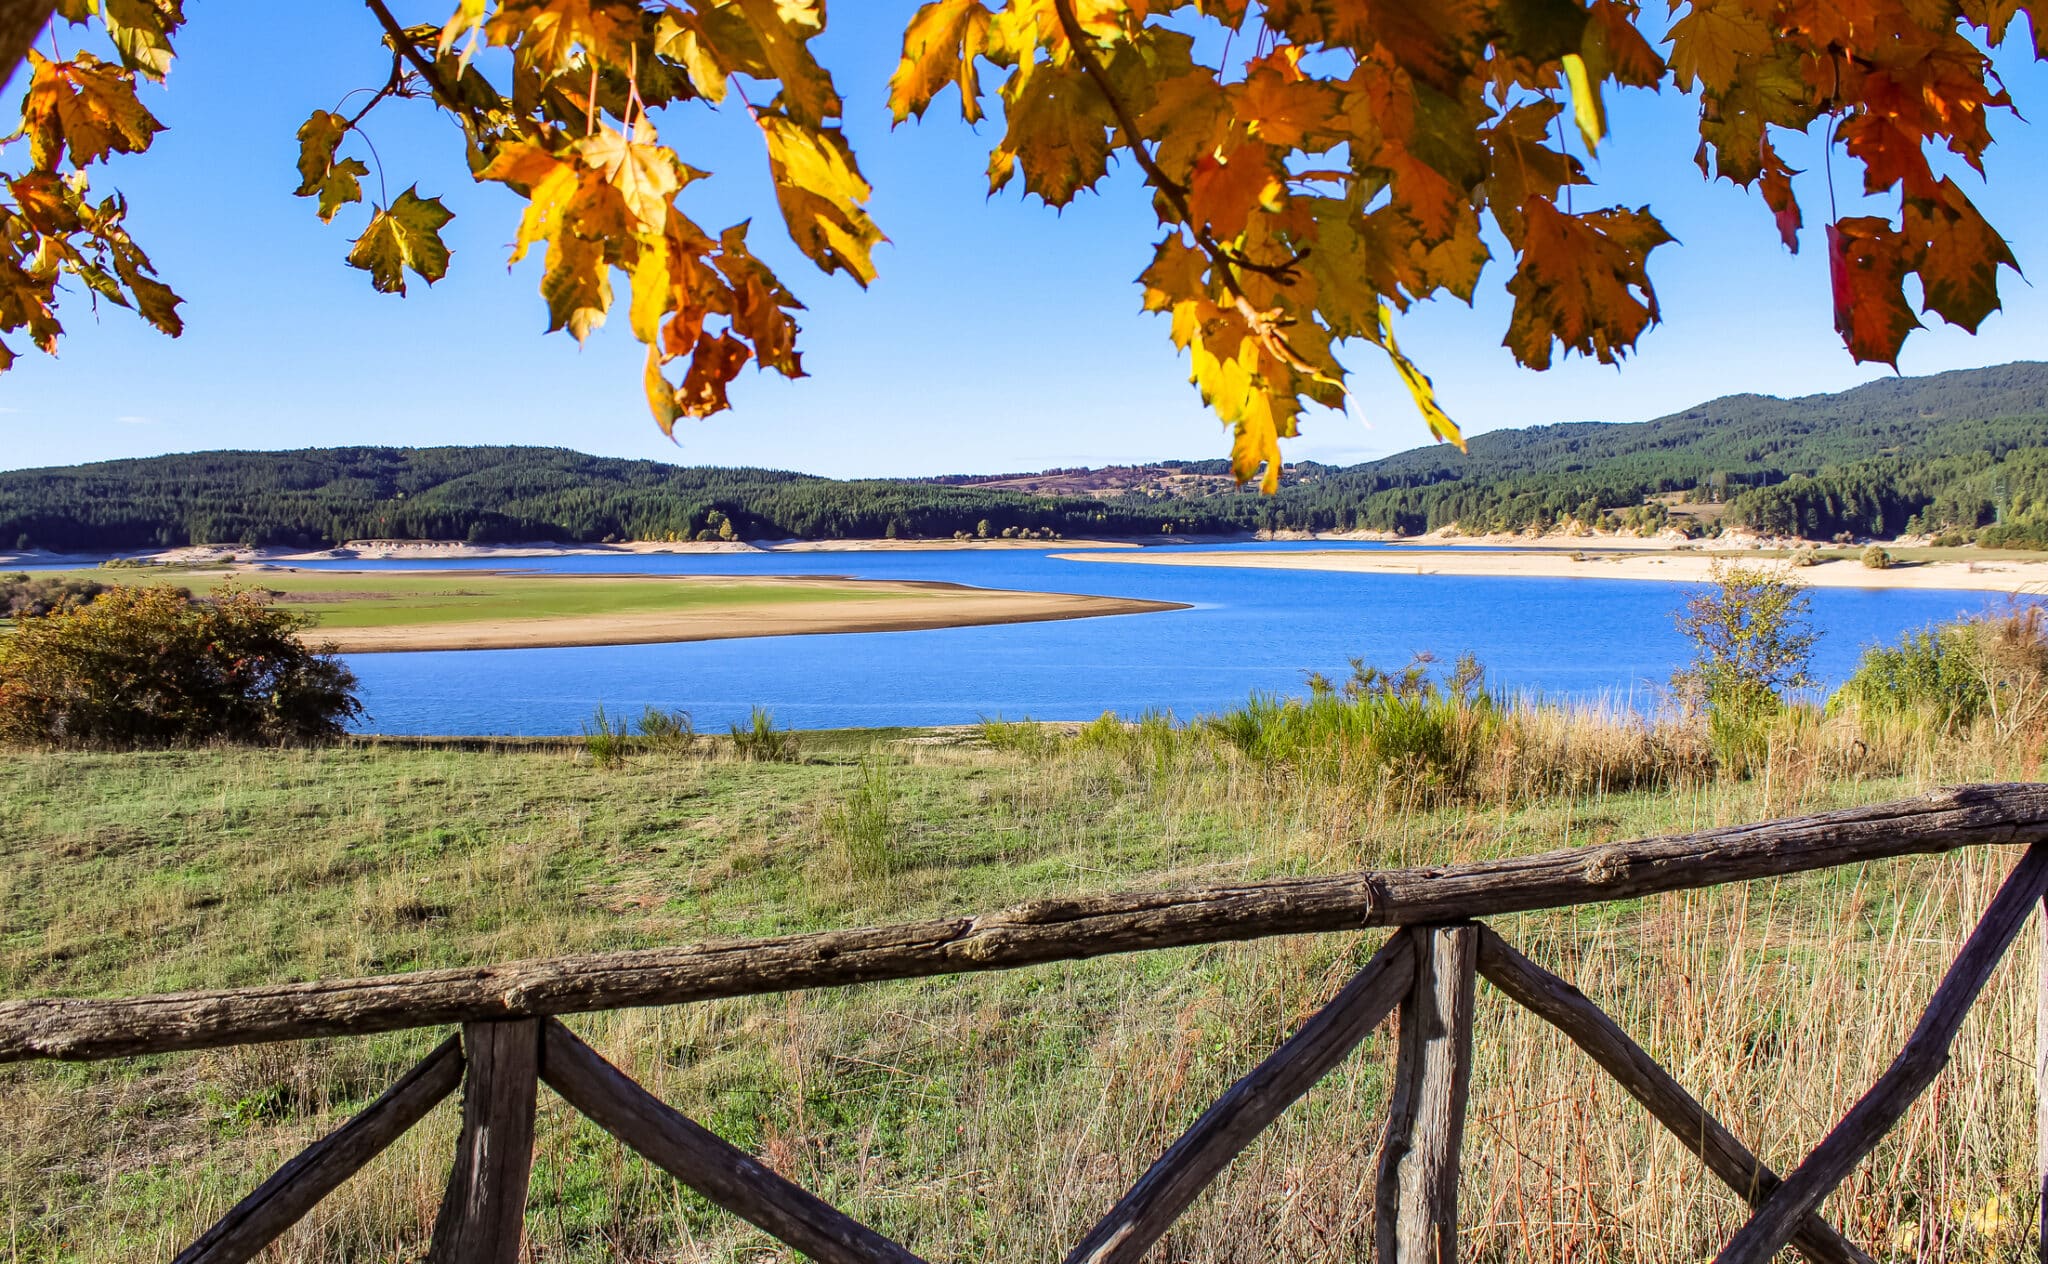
(133, 420)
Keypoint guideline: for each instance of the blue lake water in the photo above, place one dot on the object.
(1248, 630)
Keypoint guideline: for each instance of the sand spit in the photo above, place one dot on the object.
(884, 606)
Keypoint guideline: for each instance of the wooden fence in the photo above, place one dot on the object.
(510, 1041)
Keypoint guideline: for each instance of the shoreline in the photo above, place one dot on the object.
(1649, 564)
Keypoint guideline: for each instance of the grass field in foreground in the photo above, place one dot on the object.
(986, 1116)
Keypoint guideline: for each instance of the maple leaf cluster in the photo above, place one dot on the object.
(1317, 166)
(76, 112)
(574, 125)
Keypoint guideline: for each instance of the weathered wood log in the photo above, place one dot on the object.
(1248, 1107)
(483, 1214)
(320, 1168)
(726, 1175)
(1925, 1054)
(1567, 1009)
(1040, 931)
(1415, 1218)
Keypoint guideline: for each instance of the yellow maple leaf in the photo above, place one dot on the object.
(822, 195)
(83, 105)
(644, 173)
(940, 47)
(1420, 388)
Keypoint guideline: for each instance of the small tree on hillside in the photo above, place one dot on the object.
(158, 667)
(1751, 640)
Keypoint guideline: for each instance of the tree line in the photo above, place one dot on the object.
(1962, 453)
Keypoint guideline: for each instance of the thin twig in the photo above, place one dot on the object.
(404, 47)
(390, 87)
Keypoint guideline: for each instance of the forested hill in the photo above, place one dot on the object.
(324, 496)
(1964, 451)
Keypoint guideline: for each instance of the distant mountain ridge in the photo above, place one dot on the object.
(1963, 451)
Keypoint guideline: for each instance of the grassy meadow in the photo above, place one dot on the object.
(994, 1116)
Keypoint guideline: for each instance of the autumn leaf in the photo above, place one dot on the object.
(1776, 186)
(1583, 281)
(760, 306)
(782, 29)
(1587, 111)
(940, 47)
(1867, 264)
(716, 361)
(644, 174)
(86, 106)
(1420, 388)
(822, 195)
(1226, 190)
(334, 183)
(141, 31)
(1280, 105)
(576, 283)
(1057, 133)
(1316, 165)
(549, 35)
(405, 236)
(1612, 46)
(1958, 255)
(1712, 41)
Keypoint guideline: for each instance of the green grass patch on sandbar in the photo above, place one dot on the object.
(390, 599)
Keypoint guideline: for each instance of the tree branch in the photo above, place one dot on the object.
(20, 22)
(402, 45)
(1226, 262)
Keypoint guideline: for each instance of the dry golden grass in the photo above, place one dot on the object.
(995, 1116)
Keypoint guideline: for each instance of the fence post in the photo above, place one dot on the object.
(484, 1211)
(1416, 1201)
(2041, 1086)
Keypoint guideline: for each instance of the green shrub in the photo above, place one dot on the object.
(1026, 737)
(1405, 726)
(1991, 668)
(608, 741)
(1151, 743)
(1875, 557)
(670, 731)
(761, 741)
(864, 826)
(23, 596)
(149, 667)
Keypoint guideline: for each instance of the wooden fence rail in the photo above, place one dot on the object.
(1030, 934)
(1424, 975)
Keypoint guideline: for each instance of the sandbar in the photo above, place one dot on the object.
(878, 606)
(1669, 565)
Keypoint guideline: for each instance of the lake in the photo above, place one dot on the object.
(1248, 630)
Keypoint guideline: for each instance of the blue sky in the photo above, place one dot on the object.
(1000, 336)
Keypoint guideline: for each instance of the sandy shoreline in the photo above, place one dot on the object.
(895, 606)
(1665, 564)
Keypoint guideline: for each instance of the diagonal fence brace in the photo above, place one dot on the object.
(318, 1170)
(1249, 1106)
(699, 1158)
(1587, 1026)
(1925, 1054)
